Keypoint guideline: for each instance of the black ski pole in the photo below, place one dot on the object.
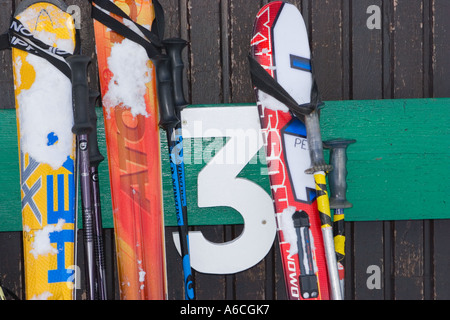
(174, 47)
(338, 197)
(95, 157)
(169, 122)
(81, 128)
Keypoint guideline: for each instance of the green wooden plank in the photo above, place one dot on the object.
(10, 209)
(396, 170)
(10, 212)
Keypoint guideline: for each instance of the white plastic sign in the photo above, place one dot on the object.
(218, 185)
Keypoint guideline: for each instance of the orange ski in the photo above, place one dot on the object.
(133, 146)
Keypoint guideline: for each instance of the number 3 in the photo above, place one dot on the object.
(218, 185)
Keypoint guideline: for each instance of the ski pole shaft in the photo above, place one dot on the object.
(319, 169)
(82, 127)
(169, 122)
(95, 157)
(338, 191)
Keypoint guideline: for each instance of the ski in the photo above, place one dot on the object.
(42, 35)
(125, 43)
(280, 64)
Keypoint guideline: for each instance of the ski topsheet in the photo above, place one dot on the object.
(128, 88)
(43, 97)
(280, 44)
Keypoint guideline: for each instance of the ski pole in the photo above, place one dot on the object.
(319, 168)
(81, 128)
(338, 200)
(174, 47)
(169, 122)
(95, 157)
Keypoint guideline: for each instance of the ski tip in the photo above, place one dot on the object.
(22, 6)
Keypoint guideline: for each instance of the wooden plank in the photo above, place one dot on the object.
(242, 13)
(441, 88)
(441, 260)
(206, 68)
(11, 264)
(6, 73)
(409, 260)
(368, 266)
(364, 242)
(175, 280)
(367, 76)
(326, 47)
(408, 49)
(206, 87)
(408, 82)
(441, 47)
(172, 17)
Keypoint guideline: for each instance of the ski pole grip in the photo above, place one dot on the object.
(337, 177)
(80, 93)
(95, 157)
(164, 85)
(174, 47)
(315, 144)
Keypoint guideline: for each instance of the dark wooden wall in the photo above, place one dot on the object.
(407, 58)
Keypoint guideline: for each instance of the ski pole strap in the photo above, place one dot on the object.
(159, 21)
(129, 29)
(19, 37)
(263, 81)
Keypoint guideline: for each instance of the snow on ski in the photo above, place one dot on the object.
(280, 45)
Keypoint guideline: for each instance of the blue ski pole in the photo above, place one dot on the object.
(169, 121)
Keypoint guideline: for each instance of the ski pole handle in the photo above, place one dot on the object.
(80, 93)
(315, 144)
(95, 157)
(337, 177)
(174, 47)
(167, 116)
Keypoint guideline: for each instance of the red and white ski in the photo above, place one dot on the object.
(280, 45)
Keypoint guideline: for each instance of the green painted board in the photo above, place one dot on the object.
(397, 170)
(399, 167)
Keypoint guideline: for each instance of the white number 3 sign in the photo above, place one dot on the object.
(218, 185)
